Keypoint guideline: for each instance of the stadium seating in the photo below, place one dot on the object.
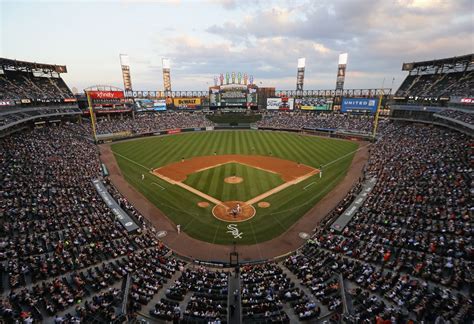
(330, 121)
(25, 85)
(438, 85)
(406, 254)
(152, 122)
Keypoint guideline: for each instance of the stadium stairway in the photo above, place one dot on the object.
(234, 285)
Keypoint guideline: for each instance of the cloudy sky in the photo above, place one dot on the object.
(261, 37)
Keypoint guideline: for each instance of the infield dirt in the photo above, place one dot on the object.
(288, 170)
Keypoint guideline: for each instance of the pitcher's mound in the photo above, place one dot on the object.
(233, 211)
(263, 204)
(233, 180)
(203, 204)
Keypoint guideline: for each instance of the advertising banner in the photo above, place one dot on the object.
(273, 103)
(70, 99)
(7, 103)
(359, 105)
(283, 103)
(186, 103)
(119, 213)
(209, 128)
(315, 103)
(150, 105)
(174, 131)
(106, 94)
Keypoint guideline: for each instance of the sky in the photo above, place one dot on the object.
(263, 38)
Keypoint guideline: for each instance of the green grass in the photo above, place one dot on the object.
(287, 206)
(255, 182)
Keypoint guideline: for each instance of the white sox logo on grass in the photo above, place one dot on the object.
(232, 229)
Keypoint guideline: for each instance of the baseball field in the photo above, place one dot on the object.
(234, 186)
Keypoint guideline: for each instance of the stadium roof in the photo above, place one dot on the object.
(455, 60)
(23, 65)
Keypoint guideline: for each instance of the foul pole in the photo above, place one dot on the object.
(91, 113)
(376, 121)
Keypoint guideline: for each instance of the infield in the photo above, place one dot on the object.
(284, 207)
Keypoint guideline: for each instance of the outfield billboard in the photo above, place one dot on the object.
(315, 103)
(150, 105)
(106, 94)
(359, 105)
(283, 103)
(187, 103)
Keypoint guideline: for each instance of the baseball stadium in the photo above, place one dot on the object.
(253, 199)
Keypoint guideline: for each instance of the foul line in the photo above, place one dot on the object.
(312, 183)
(346, 155)
(162, 188)
(281, 187)
(126, 158)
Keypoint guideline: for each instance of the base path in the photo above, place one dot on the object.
(185, 245)
(281, 187)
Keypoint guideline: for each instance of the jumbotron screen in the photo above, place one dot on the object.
(233, 95)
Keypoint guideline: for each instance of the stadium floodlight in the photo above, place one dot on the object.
(166, 63)
(124, 60)
(301, 62)
(343, 58)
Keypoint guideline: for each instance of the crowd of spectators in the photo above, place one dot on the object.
(265, 290)
(459, 115)
(59, 242)
(310, 120)
(406, 254)
(437, 85)
(409, 246)
(25, 85)
(152, 122)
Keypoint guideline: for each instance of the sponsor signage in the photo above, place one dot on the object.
(210, 128)
(315, 103)
(283, 103)
(187, 102)
(7, 103)
(150, 105)
(70, 99)
(359, 105)
(319, 107)
(174, 131)
(25, 101)
(345, 218)
(119, 213)
(467, 100)
(106, 94)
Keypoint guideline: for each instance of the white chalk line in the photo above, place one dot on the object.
(312, 183)
(130, 160)
(156, 184)
(345, 155)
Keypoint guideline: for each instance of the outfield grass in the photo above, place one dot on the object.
(255, 182)
(286, 207)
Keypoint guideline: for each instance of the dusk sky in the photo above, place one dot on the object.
(204, 38)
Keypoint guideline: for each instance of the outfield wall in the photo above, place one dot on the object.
(333, 133)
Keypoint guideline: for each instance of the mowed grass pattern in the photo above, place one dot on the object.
(286, 207)
(255, 182)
